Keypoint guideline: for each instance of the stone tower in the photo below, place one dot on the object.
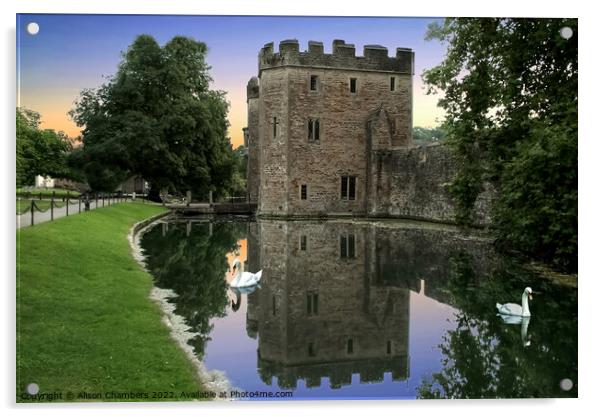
(316, 120)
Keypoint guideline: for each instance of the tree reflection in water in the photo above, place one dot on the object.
(485, 358)
(190, 259)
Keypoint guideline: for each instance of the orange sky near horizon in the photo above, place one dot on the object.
(54, 108)
(54, 66)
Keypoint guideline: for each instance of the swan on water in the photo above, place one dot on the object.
(511, 309)
(243, 279)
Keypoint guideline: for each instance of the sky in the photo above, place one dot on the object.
(73, 52)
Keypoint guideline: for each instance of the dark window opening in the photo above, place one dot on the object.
(388, 347)
(310, 349)
(275, 126)
(312, 304)
(313, 129)
(349, 346)
(273, 305)
(353, 85)
(313, 82)
(392, 83)
(303, 242)
(303, 192)
(348, 188)
(351, 188)
(347, 243)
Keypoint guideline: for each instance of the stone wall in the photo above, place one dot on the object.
(316, 297)
(413, 183)
(252, 139)
(366, 134)
(315, 302)
(292, 159)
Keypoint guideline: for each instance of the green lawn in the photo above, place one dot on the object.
(84, 318)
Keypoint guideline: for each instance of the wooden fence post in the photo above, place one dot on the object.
(33, 205)
(52, 207)
(67, 203)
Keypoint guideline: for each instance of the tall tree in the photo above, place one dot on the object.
(39, 151)
(510, 94)
(158, 118)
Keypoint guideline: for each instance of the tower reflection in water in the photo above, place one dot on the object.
(324, 308)
(339, 302)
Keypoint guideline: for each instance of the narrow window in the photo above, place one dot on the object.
(313, 129)
(303, 242)
(273, 305)
(351, 246)
(343, 242)
(351, 188)
(303, 191)
(388, 347)
(353, 85)
(310, 350)
(312, 304)
(275, 127)
(348, 188)
(347, 243)
(344, 188)
(313, 82)
(349, 346)
(392, 83)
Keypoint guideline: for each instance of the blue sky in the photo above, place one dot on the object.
(73, 52)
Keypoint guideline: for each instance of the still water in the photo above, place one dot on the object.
(365, 310)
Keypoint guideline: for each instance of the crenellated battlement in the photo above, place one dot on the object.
(339, 374)
(375, 57)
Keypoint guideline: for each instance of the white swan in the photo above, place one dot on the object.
(243, 279)
(511, 309)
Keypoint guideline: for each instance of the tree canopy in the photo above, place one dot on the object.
(510, 95)
(156, 117)
(39, 151)
(425, 134)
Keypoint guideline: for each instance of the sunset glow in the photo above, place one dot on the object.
(74, 52)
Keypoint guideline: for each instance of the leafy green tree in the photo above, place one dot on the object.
(239, 179)
(510, 95)
(158, 118)
(39, 151)
(425, 134)
(194, 266)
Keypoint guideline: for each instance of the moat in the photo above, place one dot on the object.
(350, 309)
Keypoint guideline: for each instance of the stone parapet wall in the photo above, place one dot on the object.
(414, 183)
(375, 58)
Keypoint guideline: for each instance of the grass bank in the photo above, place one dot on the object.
(84, 318)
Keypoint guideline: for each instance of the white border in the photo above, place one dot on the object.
(590, 209)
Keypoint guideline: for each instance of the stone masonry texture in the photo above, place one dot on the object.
(297, 169)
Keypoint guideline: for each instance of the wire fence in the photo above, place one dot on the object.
(33, 203)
